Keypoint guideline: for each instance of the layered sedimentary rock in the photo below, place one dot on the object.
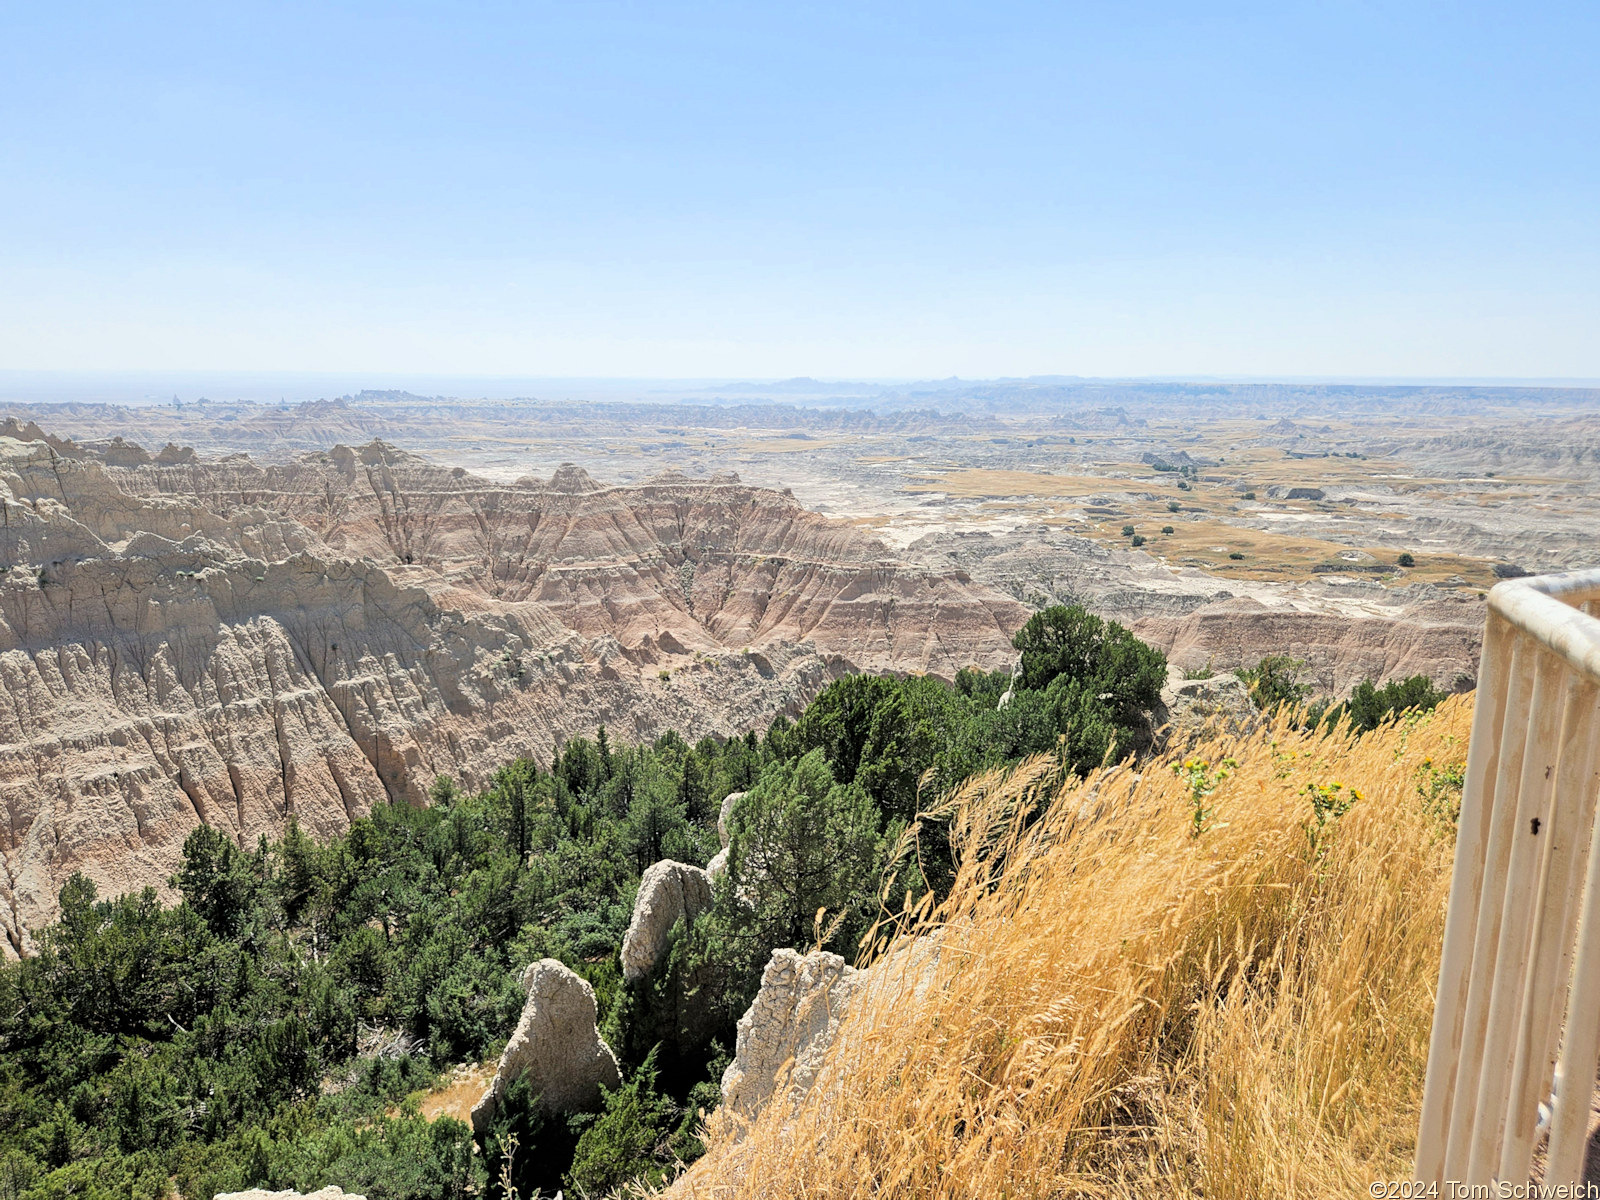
(793, 1021)
(1345, 629)
(785, 1036)
(670, 567)
(669, 892)
(555, 1046)
(1343, 640)
(185, 642)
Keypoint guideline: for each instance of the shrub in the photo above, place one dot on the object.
(620, 1147)
(1370, 706)
(1127, 531)
(879, 732)
(1406, 560)
(1069, 641)
(1138, 539)
(1166, 529)
(218, 880)
(1249, 495)
(524, 1147)
(798, 842)
(1236, 556)
(1275, 681)
(1174, 506)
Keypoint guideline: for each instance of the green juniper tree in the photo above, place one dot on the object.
(799, 843)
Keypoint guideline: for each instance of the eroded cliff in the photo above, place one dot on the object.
(184, 641)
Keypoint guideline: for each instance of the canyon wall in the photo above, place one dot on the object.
(222, 642)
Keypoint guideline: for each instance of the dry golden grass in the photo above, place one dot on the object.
(1123, 1007)
(1290, 555)
(1210, 524)
(457, 1092)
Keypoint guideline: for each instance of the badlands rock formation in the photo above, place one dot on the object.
(669, 892)
(1197, 708)
(1345, 629)
(1350, 632)
(725, 814)
(672, 568)
(719, 861)
(186, 642)
(555, 1046)
(785, 1035)
(794, 1018)
(718, 865)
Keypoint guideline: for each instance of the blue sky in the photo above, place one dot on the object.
(853, 190)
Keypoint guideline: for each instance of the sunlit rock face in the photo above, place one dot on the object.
(185, 642)
(669, 892)
(786, 1033)
(555, 1046)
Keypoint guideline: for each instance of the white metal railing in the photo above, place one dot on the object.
(1516, 1023)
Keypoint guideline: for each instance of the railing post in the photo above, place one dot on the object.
(1571, 808)
(1491, 909)
(1580, 1045)
(1528, 835)
(1466, 887)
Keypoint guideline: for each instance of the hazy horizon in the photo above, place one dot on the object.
(294, 387)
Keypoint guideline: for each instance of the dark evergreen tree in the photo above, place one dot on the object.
(218, 880)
